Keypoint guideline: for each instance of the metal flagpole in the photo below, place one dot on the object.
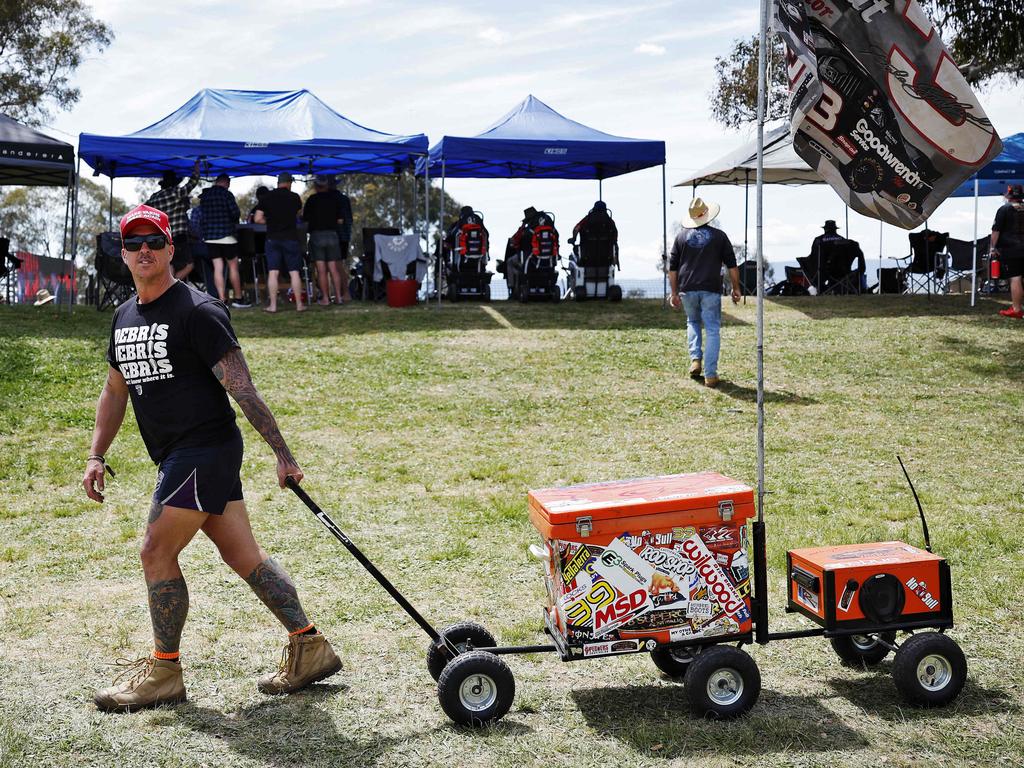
(760, 577)
(974, 257)
(664, 238)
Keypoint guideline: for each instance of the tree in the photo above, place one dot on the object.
(983, 35)
(734, 99)
(42, 43)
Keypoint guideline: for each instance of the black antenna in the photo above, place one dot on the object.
(924, 523)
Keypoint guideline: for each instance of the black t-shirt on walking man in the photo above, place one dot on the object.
(280, 207)
(165, 350)
(698, 256)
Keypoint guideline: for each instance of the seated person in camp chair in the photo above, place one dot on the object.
(531, 257)
(597, 220)
(466, 253)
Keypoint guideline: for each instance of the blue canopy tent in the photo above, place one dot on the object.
(250, 133)
(991, 181)
(533, 141)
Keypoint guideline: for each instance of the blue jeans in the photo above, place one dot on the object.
(704, 312)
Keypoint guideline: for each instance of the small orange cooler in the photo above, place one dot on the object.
(632, 564)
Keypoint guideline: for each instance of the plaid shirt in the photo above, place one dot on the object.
(220, 213)
(174, 202)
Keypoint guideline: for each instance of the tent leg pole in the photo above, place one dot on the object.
(64, 246)
(846, 232)
(880, 227)
(600, 189)
(974, 257)
(440, 237)
(746, 221)
(74, 220)
(110, 208)
(426, 208)
(398, 194)
(664, 238)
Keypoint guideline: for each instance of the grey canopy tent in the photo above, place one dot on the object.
(533, 141)
(31, 158)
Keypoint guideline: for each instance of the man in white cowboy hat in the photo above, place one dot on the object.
(43, 297)
(695, 275)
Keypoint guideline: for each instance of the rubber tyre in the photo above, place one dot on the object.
(464, 634)
(580, 293)
(614, 293)
(555, 294)
(859, 650)
(728, 672)
(476, 688)
(487, 293)
(524, 293)
(674, 662)
(453, 292)
(929, 669)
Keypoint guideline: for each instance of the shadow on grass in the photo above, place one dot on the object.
(656, 720)
(749, 394)
(985, 361)
(288, 731)
(869, 306)
(877, 694)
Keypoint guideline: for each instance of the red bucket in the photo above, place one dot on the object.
(401, 293)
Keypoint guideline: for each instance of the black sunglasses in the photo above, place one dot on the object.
(155, 242)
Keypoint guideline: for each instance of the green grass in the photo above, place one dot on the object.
(420, 431)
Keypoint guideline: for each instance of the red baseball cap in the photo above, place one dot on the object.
(145, 214)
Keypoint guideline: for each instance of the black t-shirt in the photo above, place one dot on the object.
(165, 350)
(323, 211)
(698, 255)
(280, 207)
(1009, 224)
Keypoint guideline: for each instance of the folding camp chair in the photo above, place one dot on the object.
(373, 290)
(114, 280)
(250, 259)
(926, 263)
(809, 265)
(837, 259)
(962, 263)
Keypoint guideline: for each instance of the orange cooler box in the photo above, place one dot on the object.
(870, 585)
(634, 563)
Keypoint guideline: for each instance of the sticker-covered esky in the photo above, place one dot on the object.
(639, 69)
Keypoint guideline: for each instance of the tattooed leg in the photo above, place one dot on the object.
(274, 587)
(168, 607)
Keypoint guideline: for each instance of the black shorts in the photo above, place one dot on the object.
(1010, 266)
(204, 479)
(182, 253)
(226, 251)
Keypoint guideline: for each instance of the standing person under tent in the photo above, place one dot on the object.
(323, 214)
(219, 220)
(695, 274)
(1007, 245)
(173, 351)
(173, 199)
(279, 210)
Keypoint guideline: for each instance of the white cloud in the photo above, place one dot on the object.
(492, 35)
(650, 49)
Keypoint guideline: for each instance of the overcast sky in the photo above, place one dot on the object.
(640, 69)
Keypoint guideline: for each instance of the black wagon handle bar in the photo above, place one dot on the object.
(339, 534)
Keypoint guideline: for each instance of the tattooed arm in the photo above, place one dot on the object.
(233, 374)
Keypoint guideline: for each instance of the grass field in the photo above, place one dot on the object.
(420, 431)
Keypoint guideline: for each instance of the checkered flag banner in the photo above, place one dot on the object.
(877, 106)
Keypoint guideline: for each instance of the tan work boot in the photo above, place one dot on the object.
(150, 682)
(695, 369)
(711, 381)
(305, 660)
